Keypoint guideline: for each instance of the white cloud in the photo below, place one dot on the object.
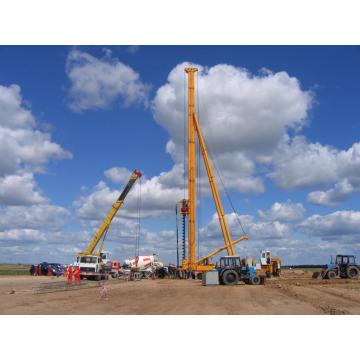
(20, 190)
(336, 226)
(22, 236)
(284, 212)
(244, 119)
(118, 175)
(21, 144)
(158, 199)
(33, 217)
(13, 114)
(97, 83)
(24, 150)
(298, 163)
(339, 193)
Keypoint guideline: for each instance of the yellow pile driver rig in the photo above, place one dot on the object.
(188, 206)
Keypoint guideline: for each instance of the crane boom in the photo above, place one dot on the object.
(109, 217)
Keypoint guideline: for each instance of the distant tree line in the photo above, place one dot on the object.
(303, 266)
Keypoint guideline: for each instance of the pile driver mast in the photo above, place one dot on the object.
(189, 206)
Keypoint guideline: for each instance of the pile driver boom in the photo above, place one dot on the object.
(194, 128)
(100, 234)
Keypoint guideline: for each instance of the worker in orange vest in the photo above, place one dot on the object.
(38, 270)
(70, 274)
(50, 273)
(77, 273)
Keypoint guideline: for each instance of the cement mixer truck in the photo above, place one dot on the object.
(145, 266)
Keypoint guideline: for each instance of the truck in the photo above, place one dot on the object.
(344, 267)
(97, 264)
(94, 266)
(145, 265)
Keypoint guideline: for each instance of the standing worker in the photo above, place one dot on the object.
(38, 270)
(77, 273)
(70, 274)
(49, 271)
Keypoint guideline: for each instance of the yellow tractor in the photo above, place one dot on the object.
(270, 265)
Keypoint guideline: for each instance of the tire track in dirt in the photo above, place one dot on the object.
(325, 309)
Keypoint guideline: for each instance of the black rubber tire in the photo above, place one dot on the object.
(230, 277)
(352, 272)
(255, 280)
(331, 274)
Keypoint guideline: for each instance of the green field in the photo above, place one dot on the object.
(14, 269)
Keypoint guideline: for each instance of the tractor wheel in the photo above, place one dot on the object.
(352, 272)
(255, 280)
(230, 277)
(331, 275)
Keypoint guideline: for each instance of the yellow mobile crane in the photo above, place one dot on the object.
(188, 207)
(97, 264)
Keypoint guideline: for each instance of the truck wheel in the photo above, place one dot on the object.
(255, 280)
(352, 272)
(331, 275)
(230, 277)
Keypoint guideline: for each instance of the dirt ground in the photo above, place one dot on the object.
(294, 293)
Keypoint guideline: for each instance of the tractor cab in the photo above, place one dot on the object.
(230, 262)
(345, 260)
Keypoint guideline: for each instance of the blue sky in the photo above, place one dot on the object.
(117, 107)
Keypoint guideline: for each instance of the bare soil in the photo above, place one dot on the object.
(294, 293)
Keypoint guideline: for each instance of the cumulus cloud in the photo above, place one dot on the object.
(97, 82)
(298, 163)
(118, 175)
(158, 198)
(33, 217)
(21, 144)
(243, 121)
(24, 150)
(284, 212)
(334, 226)
(341, 191)
(20, 190)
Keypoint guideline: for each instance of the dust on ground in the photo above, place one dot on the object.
(295, 292)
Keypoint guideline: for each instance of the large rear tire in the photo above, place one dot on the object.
(230, 277)
(352, 272)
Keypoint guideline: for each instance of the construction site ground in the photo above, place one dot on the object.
(294, 293)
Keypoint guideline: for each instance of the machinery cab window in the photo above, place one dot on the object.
(89, 259)
(230, 262)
